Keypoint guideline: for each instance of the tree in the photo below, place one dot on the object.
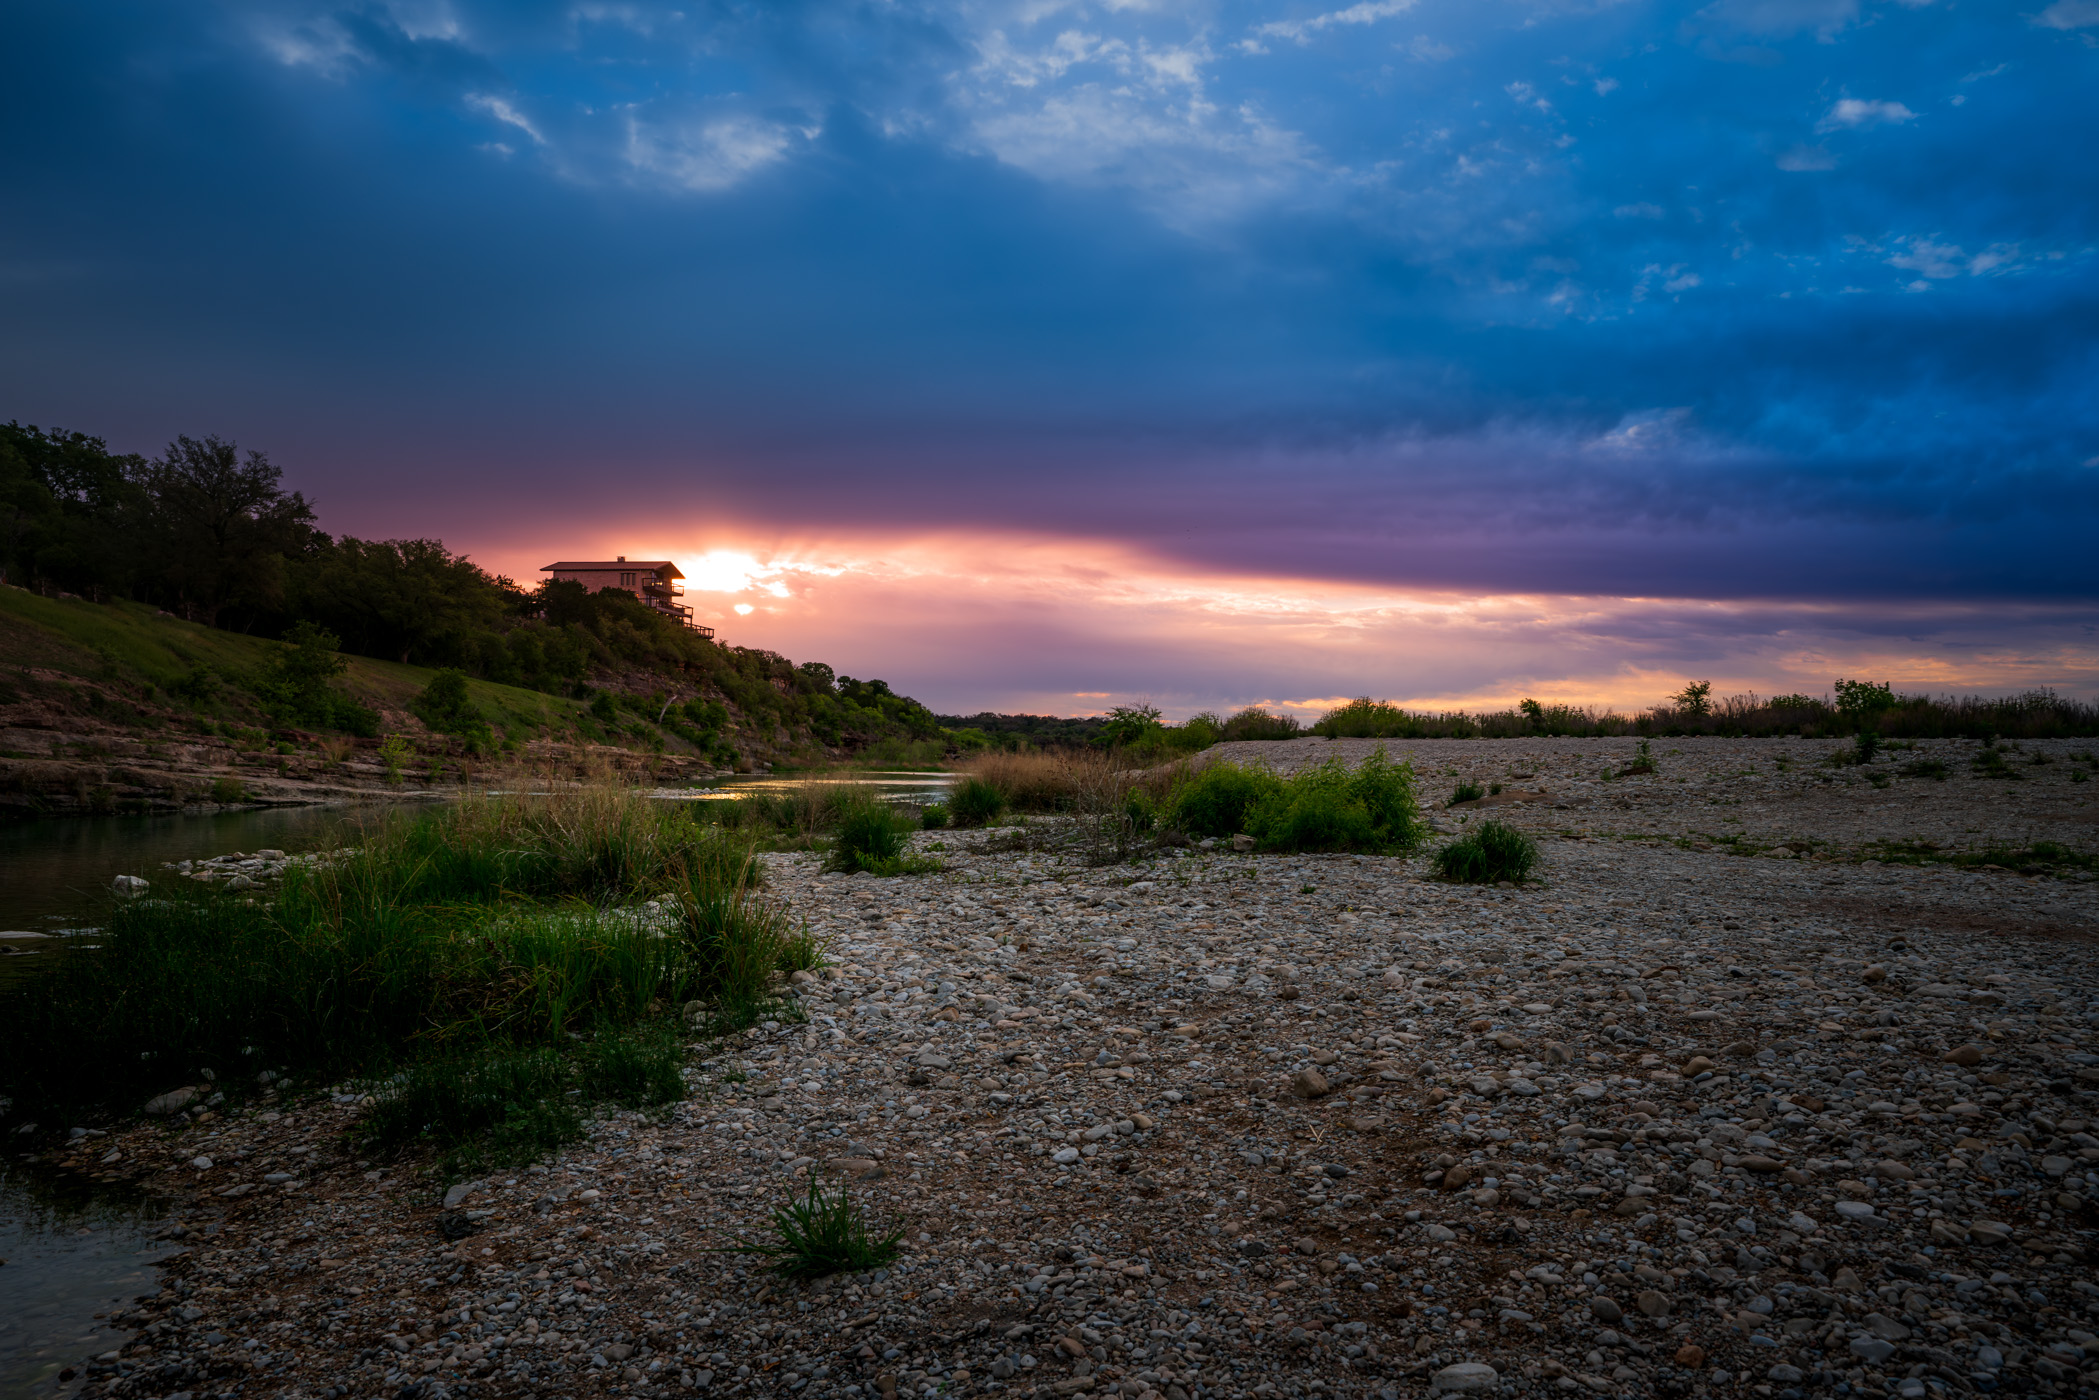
(1695, 699)
(1864, 699)
(295, 683)
(66, 502)
(1126, 724)
(218, 527)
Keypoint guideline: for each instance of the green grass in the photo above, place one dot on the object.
(1491, 852)
(823, 1233)
(458, 961)
(1326, 807)
(1465, 792)
(974, 801)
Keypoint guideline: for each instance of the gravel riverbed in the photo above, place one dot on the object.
(1715, 1106)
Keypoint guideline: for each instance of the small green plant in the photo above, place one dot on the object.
(871, 835)
(394, 751)
(1926, 768)
(1865, 746)
(933, 816)
(1465, 792)
(1989, 763)
(227, 790)
(1490, 852)
(1643, 762)
(1494, 789)
(975, 802)
(2078, 775)
(199, 685)
(638, 1067)
(821, 1233)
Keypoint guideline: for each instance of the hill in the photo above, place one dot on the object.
(119, 706)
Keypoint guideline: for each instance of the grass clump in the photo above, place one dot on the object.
(975, 801)
(493, 1107)
(1465, 792)
(821, 1233)
(933, 816)
(1926, 768)
(1491, 852)
(1327, 807)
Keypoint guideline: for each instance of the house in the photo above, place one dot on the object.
(653, 581)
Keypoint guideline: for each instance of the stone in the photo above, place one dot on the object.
(1783, 1374)
(1884, 1327)
(1964, 1055)
(202, 1164)
(1894, 1171)
(1441, 1234)
(1762, 1165)
(1989, 1231)
(1871, 1350)
(1465, 1378)
(1311, 1084)
(460, 1192)
(1696, 1065)
(1652, 1303)
(1065, 1156)
(1855, 1210)
(1690, 1356)
(173, 1101)
(1606, 1310)
(128, 885)
(1740, 1050)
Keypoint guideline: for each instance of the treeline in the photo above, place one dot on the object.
(210, 534)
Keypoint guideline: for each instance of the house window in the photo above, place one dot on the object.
(626, 580)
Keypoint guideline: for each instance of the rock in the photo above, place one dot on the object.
(1989, 1231)
(1963, 1055)
(1651, 1303)
(1763, 1165)
(1311, 1084)
(1871, 1350)
(1696, 1065)
(1886, 1328)
(1846, 1280)
(460, 1192)
(1441, 1234)
(1783, 1374)
(1065, 1156)
(202, 1164)
(1690, 1356)
(1242, 842)
(1457, 1176)
(1465, 1378)
(1606, 1310)
(173, 1101)
(1875, 973)
(1894, 1171)
(1508, 1040)
(1740, 1050)
(1855, 1210)
(128, 885)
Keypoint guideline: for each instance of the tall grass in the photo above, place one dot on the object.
(1491, 852)
(444, 961)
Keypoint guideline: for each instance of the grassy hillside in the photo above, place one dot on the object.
(130, 662)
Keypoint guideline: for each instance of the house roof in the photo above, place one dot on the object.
(654, 566)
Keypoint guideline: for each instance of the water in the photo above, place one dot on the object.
(889, 786)
(73, 1255)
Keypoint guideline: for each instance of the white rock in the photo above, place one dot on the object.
(1465, 1378)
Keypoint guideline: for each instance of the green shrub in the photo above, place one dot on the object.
(295, 686)
(1490, 852)
(1926, 768)
(1331, 807)
(1465, 792)
(1216, 798)
(1256, 723)
(933, 816)
(975, 802)
(227, 790)
(445, 706)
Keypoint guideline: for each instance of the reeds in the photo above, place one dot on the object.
(442, 962)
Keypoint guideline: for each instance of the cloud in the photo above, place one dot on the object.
(708, 155)
(1799, 158)
(1638, 211)
(1939, 261)
(503, 112)
(1302, 30)
(1854, 112)
(2069, 14)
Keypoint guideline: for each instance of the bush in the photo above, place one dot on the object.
(641, 1067)
(1491, 852)
(446, 707)
(1465, 792)
(1256, 723)
(1216, 799)
(975, 801)
(933, 816)
(490, 1106)
(294, 684)
(872, 837)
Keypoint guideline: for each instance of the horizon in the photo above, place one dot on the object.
(1042, 358)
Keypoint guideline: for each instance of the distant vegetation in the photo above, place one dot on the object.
(210, 534)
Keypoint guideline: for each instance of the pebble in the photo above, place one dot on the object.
(1737, 1092)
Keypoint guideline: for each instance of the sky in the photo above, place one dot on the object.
(1049, 356)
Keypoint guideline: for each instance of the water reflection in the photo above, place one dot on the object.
(74, 1254)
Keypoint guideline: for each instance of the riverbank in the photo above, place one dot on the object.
(1669, 1121)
